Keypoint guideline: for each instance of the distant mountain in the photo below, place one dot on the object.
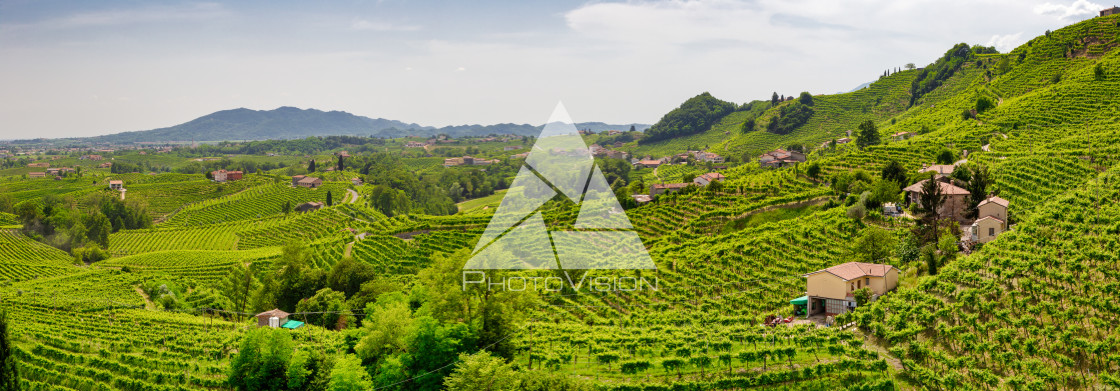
(293, 123)
(860, 87)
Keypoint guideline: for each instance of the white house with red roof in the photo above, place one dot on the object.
(831, 290)
(705, 179)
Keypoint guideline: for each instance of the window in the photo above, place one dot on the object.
(867, 281)
(991, 232)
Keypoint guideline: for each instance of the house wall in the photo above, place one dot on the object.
(887, 283)
(982, 227)
(826, 285)
(993, 209)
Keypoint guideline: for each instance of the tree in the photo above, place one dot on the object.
(868, 134)
(945, 157)
(910, 65)
(862, 296)
(874, 245)
(857, 211)
(238, 285)
(929, 254)
(286, 207)
(330, 199)
(748, 125)
(929, 203)
(481, 372)
(348, 275)
(774, 99)
(9, 372)
(262, 360)
(311, 167)
(806, 98)
(814, 170)
(894, 171)
(633, 129)
(349, 375)
(977, 185)
(1098, 71)
(340, 164)
(326, 309)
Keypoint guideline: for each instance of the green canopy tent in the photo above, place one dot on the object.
(800, 305)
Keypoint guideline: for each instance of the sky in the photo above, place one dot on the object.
(82, 68)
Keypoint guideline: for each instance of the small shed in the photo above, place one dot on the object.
(273, 318)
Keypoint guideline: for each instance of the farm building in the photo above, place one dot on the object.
(992, 221)
(648, 163)
(91, 157)
(39, 165)
(780, 158)
(274, 318)
(940, 169)
(309, 182)
(901, 136)
(661, 188)
(642, 198)
(296, 179)
(706, 156)
(36, 175)
(831, 290)
(116, 184)
(309, 206)
(343, 154)
(955, 199)
(105, 165)
(224, 176)
(356, 181)
(1110, 11)
(705, 179)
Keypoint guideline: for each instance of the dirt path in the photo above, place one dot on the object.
(874, 344)
(353, 196)
(655, 173)
(346, 251)
(148, 304)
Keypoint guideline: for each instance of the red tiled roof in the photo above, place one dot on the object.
(853, 270)
(274, 312)
(995, 200)
(713, 176)
(946, 188)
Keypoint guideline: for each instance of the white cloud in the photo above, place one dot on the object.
(1006, 43)
(1079, 9)
(365, 25)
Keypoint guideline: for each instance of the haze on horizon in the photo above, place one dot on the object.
(73, 69)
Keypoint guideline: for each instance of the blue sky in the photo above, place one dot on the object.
(84, 68)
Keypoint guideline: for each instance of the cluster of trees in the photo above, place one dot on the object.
(9, 371)
(396, 332)
(697, 114)
(790, 117)
(868, 134)
(395, 190)
(246, 166)
(865, 192)
(304, 146)
(81, 227)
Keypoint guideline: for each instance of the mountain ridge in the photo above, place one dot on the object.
(287, 122)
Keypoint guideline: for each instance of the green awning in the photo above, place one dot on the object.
(292, 324)
(803, 300)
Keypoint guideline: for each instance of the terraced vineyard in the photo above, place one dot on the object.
(212, 237)
(26, 259)
(204, 267)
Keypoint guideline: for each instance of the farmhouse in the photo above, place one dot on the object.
(467, 161)
(843, 140)
(780, 158)
(955, 199)
(940, 169)
(992, 221)
(414, 144)
(647, 163)
(356, 181)
(901, 136)
(707, 156)
(309, 206)
(704, 180)
(105, 165)
(36, 175)
(831, 290)
(296, 179)
(1110, 11)
(310, 182)
(510, 148)
(343, 154)
(39, 165)
(660, 188)
(91, 157)
(116, 184)
(224, 176)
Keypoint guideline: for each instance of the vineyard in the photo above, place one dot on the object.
(1034, 309)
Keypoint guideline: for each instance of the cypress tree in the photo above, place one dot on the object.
(9, 376)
